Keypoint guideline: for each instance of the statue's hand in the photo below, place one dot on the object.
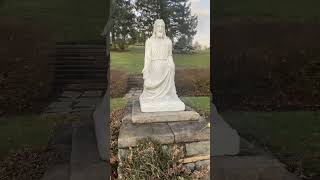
(145, 74)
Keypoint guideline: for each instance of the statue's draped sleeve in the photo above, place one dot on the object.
(170, 48)
(170, 59)
(147, 57)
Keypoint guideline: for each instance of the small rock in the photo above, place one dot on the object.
(190, 166)
(202, 164)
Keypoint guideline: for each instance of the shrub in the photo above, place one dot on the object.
(193, 82)
(118, 83)
(25, 73)
(150, 161)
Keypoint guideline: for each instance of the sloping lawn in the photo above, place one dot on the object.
(289, 135)
(200, 104)
(117, 103)
(19, 131)
(132, 61)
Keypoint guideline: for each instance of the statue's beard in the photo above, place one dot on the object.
(159, 35)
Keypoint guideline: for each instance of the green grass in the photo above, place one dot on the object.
(283, 9)
(32, 130)
(200, 104)
(285, 133)
(117, 103)
(19, 131)
(70, 20)
(132, 61)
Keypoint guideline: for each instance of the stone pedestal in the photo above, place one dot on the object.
(185, 128)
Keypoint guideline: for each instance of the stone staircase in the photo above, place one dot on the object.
(80, 66)
(135, 82)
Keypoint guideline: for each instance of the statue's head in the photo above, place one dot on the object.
(159, 30)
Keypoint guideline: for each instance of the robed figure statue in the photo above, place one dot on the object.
(159, 91)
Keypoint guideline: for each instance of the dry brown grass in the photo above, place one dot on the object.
(118, 83)
(25, 73)
(193, 82)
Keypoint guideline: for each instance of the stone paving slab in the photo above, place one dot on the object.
(92, 94)
(58, 110)
(71, 94)
(152, 117)
(60, 105)
(86, 102)
(85, 161)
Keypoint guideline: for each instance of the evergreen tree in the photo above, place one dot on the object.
(180, 23)
(185, 24)
(123, 30)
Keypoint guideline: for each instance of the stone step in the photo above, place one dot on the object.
(85, 162)
(165, 132)
(156, 117)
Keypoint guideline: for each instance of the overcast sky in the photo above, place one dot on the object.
(202, 9)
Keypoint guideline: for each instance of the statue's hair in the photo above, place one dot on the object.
(156, 23)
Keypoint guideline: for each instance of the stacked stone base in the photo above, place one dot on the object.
(187, 129)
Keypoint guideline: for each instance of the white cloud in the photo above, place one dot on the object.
(194, 1)
(201, 12)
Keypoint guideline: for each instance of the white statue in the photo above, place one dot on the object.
(159, 91)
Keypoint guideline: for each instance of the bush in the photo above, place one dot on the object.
(193, 82)
(150, 161)
(118, 83)
(25, 73)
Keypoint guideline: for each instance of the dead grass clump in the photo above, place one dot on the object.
(150, 161)
(193, 82)
(118, 84)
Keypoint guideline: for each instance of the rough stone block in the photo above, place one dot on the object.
(190, 166)
(130, 133)
(202, 164)
(190, 131)
(152, 117)
(198, 148)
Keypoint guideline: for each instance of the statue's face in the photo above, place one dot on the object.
(160, 30)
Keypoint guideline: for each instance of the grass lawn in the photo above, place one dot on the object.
(117, 103)
(132, 61)
(32, 130)
(287, 134)
(70, 20)
(19, 131)
(284, 9)
(200, 104)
